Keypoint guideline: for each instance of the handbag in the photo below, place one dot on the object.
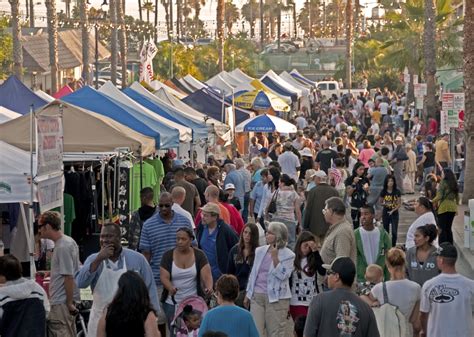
(272, 206)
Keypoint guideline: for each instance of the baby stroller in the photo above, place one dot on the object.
(178, 326)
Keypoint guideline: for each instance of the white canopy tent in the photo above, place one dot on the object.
(290, 79)
(185, 133)
(194, 82)
(157, 85)
(233, 81)
(219, 83)
(7, 114)
(239, 74)
(287, 86)
(44, 96)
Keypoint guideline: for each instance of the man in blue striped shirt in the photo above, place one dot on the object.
(159, 235)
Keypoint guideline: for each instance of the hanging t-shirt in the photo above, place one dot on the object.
(148, 179)
(160, 174)
(69, 213)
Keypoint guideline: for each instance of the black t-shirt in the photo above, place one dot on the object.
(390, 199)
(201, 186)
(359, 196)
(430, 159)
(324, 158)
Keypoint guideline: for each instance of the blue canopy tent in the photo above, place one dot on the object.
(93, 100)
(206, 102)
(168, 112)
(301, 78)
(279, 89)
(16, 96)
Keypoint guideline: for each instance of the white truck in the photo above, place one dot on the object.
(328, 88)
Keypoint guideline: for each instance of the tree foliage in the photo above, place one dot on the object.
(6, 52)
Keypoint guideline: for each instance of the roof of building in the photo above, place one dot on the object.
(36, 50)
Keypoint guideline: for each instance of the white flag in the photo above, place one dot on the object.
(147, 53)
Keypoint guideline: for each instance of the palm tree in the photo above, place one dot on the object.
(17, 47)
(156, 13)
(53, 43)
(250, 12)
(349, 33)
(32, 13)
(311, 10)
(429, 46)
(402, 45)
(140, 12)
(148, 7)
(113, 40)
(220, 32)
(197, 5)
(122, 40)
(292, 4)
(469, 100)
(168, 6)
(86, 73)
(232, 15)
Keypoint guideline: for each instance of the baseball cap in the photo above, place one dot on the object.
(446, 249)
(319, 174)
(343, 266)
(211, 207)
(300, 133)
(264, 150)
(229, 187)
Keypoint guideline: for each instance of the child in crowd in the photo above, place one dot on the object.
(304, 280)
(373, 275)
(192, 320)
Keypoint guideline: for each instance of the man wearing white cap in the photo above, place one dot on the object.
(398, 158)
(313, 216)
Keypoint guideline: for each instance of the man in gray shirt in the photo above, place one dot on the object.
(63, 291)
(340, 312)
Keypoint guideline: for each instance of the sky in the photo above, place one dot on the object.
(207, 13)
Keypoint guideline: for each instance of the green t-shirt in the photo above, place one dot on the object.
(160, 174)
(149, 179)
(69, 213)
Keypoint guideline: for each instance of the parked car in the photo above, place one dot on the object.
(204, 41)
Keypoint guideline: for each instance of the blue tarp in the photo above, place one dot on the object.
(169, 112)
(16, 96)
(206, 102)
(279, 89)
(89, 98)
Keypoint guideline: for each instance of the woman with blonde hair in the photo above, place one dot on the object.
(401, 292)
(257, 166)
(268, 287)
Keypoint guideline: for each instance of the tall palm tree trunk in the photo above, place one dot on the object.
(178, 19)
(262, 26)
(469, 100)
(113, 41)
(53, 43)
(295, 22)
(140, 12)
(17, 46)
(220, 32)
(86, 73)
(32, 13)
(429, 49)
(349, 34)
(170, 23)
(122, 40)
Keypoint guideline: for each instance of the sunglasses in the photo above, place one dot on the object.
(164, 205)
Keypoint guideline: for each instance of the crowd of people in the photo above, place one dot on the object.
(299, 237)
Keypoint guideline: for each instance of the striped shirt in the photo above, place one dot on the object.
(158, 237)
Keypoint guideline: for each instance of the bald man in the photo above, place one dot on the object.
(178, 195)
(212, 195)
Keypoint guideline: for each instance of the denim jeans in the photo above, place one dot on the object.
(388, 219)
(169, 310)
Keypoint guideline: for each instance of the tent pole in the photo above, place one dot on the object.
(141, 172)
(102, 172)
(30, 231)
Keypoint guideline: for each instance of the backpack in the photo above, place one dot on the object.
(390, 320)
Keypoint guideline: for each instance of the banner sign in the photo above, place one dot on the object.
(453, 104)
(147, 54)
(420, 89)
(49, 144)
(50, 193)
